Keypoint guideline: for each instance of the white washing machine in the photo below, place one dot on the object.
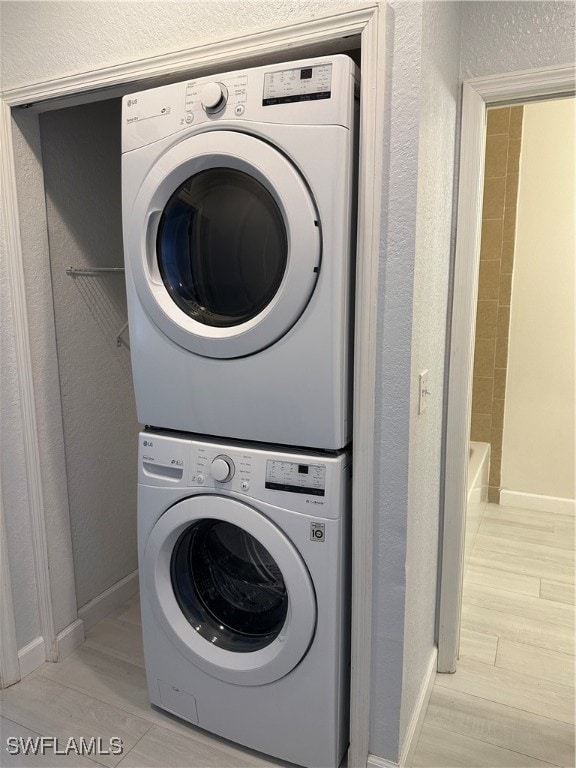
(238, 211)
(244, 570)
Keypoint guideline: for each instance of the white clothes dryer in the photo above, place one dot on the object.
(244, 571)
(238, 218)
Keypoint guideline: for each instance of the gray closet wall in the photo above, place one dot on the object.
(81, 156)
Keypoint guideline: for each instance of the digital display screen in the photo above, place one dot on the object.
(295, 477)
(290, 86)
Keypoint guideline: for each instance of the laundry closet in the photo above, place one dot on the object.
(81, 162)
(293, 372)
(80, 149)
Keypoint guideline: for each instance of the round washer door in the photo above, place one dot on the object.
(224, 244)
(230, 590)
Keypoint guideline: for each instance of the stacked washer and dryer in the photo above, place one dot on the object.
(238, 198)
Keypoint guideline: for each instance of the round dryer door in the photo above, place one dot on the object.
(230, 590)
(224, 244)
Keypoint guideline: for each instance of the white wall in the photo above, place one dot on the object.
(70, 36)
(393, 374)
(424, 45)
(439, 96)
(499, 37)
(538, 445)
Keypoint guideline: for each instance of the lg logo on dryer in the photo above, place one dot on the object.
(317, 531)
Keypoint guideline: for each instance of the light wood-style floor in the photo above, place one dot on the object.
(510, 703)
(100, 690)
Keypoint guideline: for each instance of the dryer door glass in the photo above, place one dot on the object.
(222, 247)
(228, 586)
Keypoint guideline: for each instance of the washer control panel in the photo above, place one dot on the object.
(213, 467)
(222, 469)
(302, 482)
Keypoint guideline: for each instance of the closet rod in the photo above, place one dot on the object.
(93, 272)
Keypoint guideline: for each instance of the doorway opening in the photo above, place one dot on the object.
(516, 664)
(478, 95)
(520, 516)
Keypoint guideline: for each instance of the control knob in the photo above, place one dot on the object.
(222, 469)
(213, 97)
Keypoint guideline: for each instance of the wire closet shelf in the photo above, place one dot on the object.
(98, 272)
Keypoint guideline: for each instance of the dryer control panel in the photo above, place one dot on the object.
(304, 482)
(288, 86)
(301, 92)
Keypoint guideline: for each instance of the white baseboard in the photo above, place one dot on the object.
(478, 472)
(109, 600)
(31, 656)
(475, 496)
(70, 638)
(416, 721)
(539, 503)
(378, 762)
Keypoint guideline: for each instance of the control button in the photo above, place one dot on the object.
(239, 110)
(189, 118)
(222, 469)
(213, 97)
(245, 485)
(200, 479)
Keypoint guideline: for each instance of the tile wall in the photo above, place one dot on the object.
(503, 139)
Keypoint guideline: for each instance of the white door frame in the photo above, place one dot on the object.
(478, 94)
(12, 247)
(360, 25)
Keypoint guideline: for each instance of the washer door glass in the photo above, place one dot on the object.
(222, 247)
(228, 586)
(229, 589)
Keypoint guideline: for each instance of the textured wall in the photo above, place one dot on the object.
(538, 447)
(500, 37)
(439, 91)
(393, 374)
(81, 151)
(13, 477)
(43, 40)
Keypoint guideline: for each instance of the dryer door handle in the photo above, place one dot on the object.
(150, 246)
